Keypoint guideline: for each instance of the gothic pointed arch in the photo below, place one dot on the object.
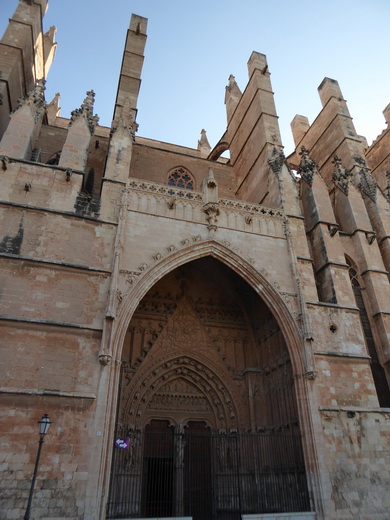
(205, 367)
(180, 177)
(239, 265)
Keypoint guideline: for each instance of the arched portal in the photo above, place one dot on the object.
(207, 383)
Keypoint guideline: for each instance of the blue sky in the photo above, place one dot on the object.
(193, 47)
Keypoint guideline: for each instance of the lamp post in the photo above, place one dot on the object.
(43, 428)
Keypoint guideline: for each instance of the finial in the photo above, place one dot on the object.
(86, 111)
(307, 167)
(341, 176)
(367, 184)
(203, 144)
(276, 160)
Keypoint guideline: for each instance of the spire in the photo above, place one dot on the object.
(53, 109)
(341, 176)
(203, 144)
(86, 111)
(233, 88)
(232, 96)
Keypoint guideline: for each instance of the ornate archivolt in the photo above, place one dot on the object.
(184, 370)
(186, 385)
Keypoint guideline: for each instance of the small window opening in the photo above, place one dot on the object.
(180, 178)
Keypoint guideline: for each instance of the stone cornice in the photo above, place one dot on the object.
(47, 393)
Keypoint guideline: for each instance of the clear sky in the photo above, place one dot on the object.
(193, 46)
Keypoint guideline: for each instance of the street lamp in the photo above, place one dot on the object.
(43, 428)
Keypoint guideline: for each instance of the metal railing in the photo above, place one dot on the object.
(209, 476)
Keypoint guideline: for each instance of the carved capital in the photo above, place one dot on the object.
(105, 359)
(311, 375)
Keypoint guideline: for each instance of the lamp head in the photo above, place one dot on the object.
(44, 424)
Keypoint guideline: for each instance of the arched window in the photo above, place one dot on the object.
(181, 178)
(378, 372)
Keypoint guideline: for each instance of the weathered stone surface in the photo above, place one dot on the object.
(254, 298)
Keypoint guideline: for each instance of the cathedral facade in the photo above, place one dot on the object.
(209, 336)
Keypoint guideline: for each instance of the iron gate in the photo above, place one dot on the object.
(208, 476)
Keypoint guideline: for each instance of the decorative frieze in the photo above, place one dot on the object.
(164, 190)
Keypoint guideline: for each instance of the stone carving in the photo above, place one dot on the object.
(388, 185)
(172, 202)
(311, 375)
(276, 160)
(367, 184)
(131, 275)
(370, 237)
(68, 174)
(203, 143)
(341, 176)
(195, 373)
(164, 190)
(307, 167)
(4, 162)
(86, 111)
(212, 211)
(232, 83)
(1, 99)
(104, 359)
(179, 394)
(247, 207)
(35, 99)
(332, 229)
(125, 120)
